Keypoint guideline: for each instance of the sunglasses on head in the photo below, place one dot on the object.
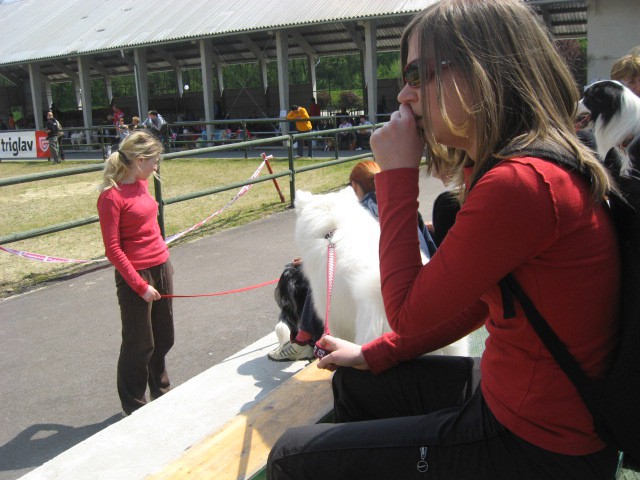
(411, 73)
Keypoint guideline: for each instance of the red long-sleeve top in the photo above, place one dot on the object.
(130, 231)
(537, 220)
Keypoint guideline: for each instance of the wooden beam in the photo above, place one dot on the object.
(72, 74)
(171, 60)
(127, 59)
(240, 448)
(303, 44)
(12, 78)
(357, 39)
(98, 67)
(252, 46)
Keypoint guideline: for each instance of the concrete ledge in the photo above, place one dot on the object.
(160, 432)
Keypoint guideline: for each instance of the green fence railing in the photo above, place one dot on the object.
(291, 172)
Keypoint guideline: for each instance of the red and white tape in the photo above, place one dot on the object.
(47, 258)
(42, 258)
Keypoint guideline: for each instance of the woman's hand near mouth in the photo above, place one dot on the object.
(399, 143)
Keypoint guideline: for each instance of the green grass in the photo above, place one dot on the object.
(39, 204)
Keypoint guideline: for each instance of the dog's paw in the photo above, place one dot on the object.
(282, 332)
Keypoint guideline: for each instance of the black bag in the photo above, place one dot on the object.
(52, 126)
(614, 402)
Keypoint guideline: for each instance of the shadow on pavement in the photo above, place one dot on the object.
(43, 441)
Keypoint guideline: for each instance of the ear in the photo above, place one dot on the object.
(302, 198)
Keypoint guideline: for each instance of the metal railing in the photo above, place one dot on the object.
(288, 139)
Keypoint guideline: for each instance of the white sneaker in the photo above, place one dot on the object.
(291, 351)
(358, 148)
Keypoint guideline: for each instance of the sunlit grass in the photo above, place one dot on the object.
(40, 204)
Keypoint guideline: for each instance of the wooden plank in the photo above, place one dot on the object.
(240, 448)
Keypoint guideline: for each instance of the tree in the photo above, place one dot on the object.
(574, 53)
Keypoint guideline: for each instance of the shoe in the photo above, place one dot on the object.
(291, 351)
(358, 148)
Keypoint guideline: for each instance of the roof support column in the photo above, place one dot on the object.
(36, 93)
(206, 62)
(282, 54)
(179, 81)
(85, 93)
(140, 74)
(49, 92)
(77, 88)
(220, 73)
(313, 59)
(264, 74)
(265, 83)
(108, 86)
(371, 68)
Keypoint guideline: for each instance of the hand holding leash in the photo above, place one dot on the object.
(340, 354)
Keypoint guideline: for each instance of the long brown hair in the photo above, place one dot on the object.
(522, 91)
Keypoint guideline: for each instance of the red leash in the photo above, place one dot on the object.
(217, 294)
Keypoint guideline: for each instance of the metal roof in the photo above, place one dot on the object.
(55, 32)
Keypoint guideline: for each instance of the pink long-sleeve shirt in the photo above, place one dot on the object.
(130, 231)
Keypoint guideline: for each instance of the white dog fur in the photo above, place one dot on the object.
(622, 107)
(77, 138)
(356, 310)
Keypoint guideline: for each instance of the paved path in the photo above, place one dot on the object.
(60, 343)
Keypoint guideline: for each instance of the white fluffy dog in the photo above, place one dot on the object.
(356, 311)
(77, 138)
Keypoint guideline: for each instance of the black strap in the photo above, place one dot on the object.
(554, 345)
(509, 287)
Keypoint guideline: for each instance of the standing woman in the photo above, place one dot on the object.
(483, 78)
(134, 245)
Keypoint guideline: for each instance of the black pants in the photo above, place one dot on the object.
(423, 419)
(147, 337)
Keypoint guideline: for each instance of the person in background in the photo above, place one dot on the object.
(11, 123)
(314, 111)
(346, 138)
(513, 414)
(626, 70)
(122, 129)
(143, 272)
(363, 136)
(135, 124)
(116, 115)
(52, 130)
(159, 127)
(301, 118)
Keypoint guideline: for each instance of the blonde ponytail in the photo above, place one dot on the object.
(139, 144)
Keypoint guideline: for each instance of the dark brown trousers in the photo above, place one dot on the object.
(147, 337)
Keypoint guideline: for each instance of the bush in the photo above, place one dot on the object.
(324, 99)
(350, 100)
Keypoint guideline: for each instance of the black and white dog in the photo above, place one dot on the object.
(615, 117)
(290, 295)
